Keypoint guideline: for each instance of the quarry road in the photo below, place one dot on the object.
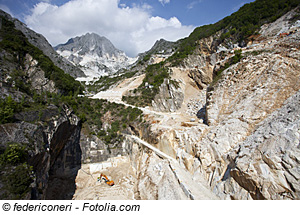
(164, 120)
(115, 94)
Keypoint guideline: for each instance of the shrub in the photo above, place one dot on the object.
(155, 76)
(8, 107)
(14, 154)
(18, 182)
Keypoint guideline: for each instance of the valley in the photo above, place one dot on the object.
(212, 116)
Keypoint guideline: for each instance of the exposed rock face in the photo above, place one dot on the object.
(37, 76)
(40, 42)
(65, 157)
(169, 98)
(54, 148)
(95, 150)
(248, 93)
(156, 180)
(267, 162)
(276, 72)
(281, 25)
(202, 62)
(202, 79)
(96, 55)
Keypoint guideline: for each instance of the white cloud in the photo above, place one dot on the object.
(163, 2)
(193, 4)
(131, 29)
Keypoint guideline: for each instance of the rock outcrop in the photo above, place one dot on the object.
(169, 98)
(202, 62)
(267, 162)
(54, 149)
(65, 156)
(36, 76)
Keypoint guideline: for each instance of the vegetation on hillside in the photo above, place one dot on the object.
(238, 26)
(145, 93)
(104, 119)
(15, 172)
(16, 43)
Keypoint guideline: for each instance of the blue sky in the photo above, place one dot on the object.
(132, 25)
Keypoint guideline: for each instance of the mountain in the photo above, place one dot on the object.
(96, 55)
(162, 47)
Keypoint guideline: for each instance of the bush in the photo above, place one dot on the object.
(155, 76)
(18, 182)
(8, 107)
(14, 154)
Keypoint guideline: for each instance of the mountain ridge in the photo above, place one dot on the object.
(41, 42)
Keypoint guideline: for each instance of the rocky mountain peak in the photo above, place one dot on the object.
(90, 43)
(94, 54)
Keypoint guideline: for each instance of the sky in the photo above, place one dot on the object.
(132, 26)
